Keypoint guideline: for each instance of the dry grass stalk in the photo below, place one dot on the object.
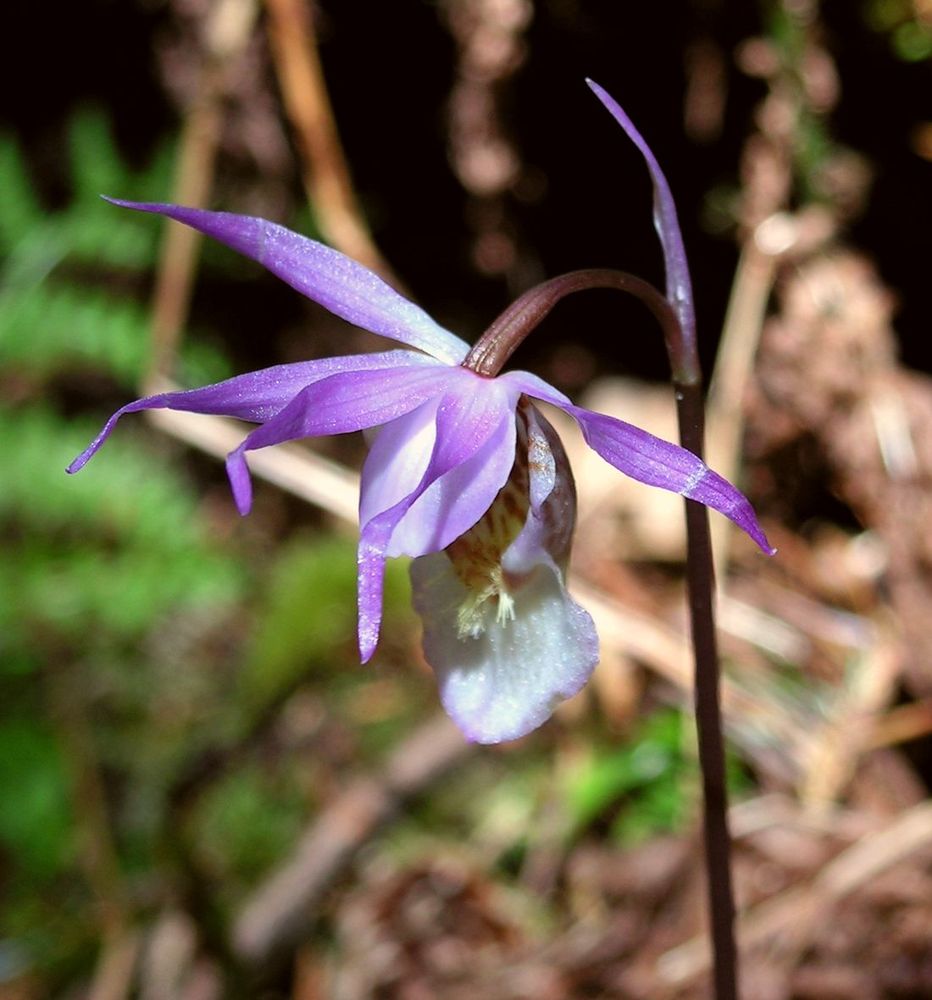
(326, 173)
(226, 33)
(789, 919)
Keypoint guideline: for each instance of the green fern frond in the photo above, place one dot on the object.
(116, 549)
(53, 328)
(97, 166)
(19, 208)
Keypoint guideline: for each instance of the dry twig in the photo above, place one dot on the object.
(326, 172)
(226, 33)
(793, 915)
(299, 471)
(280, 911)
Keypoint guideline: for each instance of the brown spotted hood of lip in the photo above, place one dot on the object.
(479, 556)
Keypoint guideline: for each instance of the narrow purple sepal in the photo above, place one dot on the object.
(679, 285)
(656, 462)
(343, 402)
(255, 396)
(716, 492)
(650, 459)
(327, 276)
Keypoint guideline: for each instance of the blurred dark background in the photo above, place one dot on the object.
(582, 195)
(181, 703)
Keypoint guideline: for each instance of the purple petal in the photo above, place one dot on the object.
(398, 458)
(505, 680)
(345, 401)
(475, 416)
(679, 286)
(534, 385)
(452, 503)
(651, 460)
(327, 276)
(659, 463)
(255, 396)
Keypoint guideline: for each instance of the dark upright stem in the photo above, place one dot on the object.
(487, 357)
(687, 381)
(700, 577)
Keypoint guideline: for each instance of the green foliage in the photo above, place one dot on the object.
(19, 207)
(246, 823)
(813, 145)
(59, 310)
(94, 566)
(308, 611)
(87, 230)
(307, 615)
(637, 787)
(639, 781)
(49, 329)
(35, 819)
(906, 24)
(115, 582)
(112, 551)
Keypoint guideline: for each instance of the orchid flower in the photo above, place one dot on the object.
(464, 474)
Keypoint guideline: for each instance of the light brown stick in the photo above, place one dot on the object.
(326, 173)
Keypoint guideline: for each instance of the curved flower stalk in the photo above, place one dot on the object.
(464, 475)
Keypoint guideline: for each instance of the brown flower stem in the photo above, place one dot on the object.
(700, 580)
(493, 349)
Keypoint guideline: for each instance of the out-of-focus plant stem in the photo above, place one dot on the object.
(327, 178)
(97, 852)
(226, 33)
